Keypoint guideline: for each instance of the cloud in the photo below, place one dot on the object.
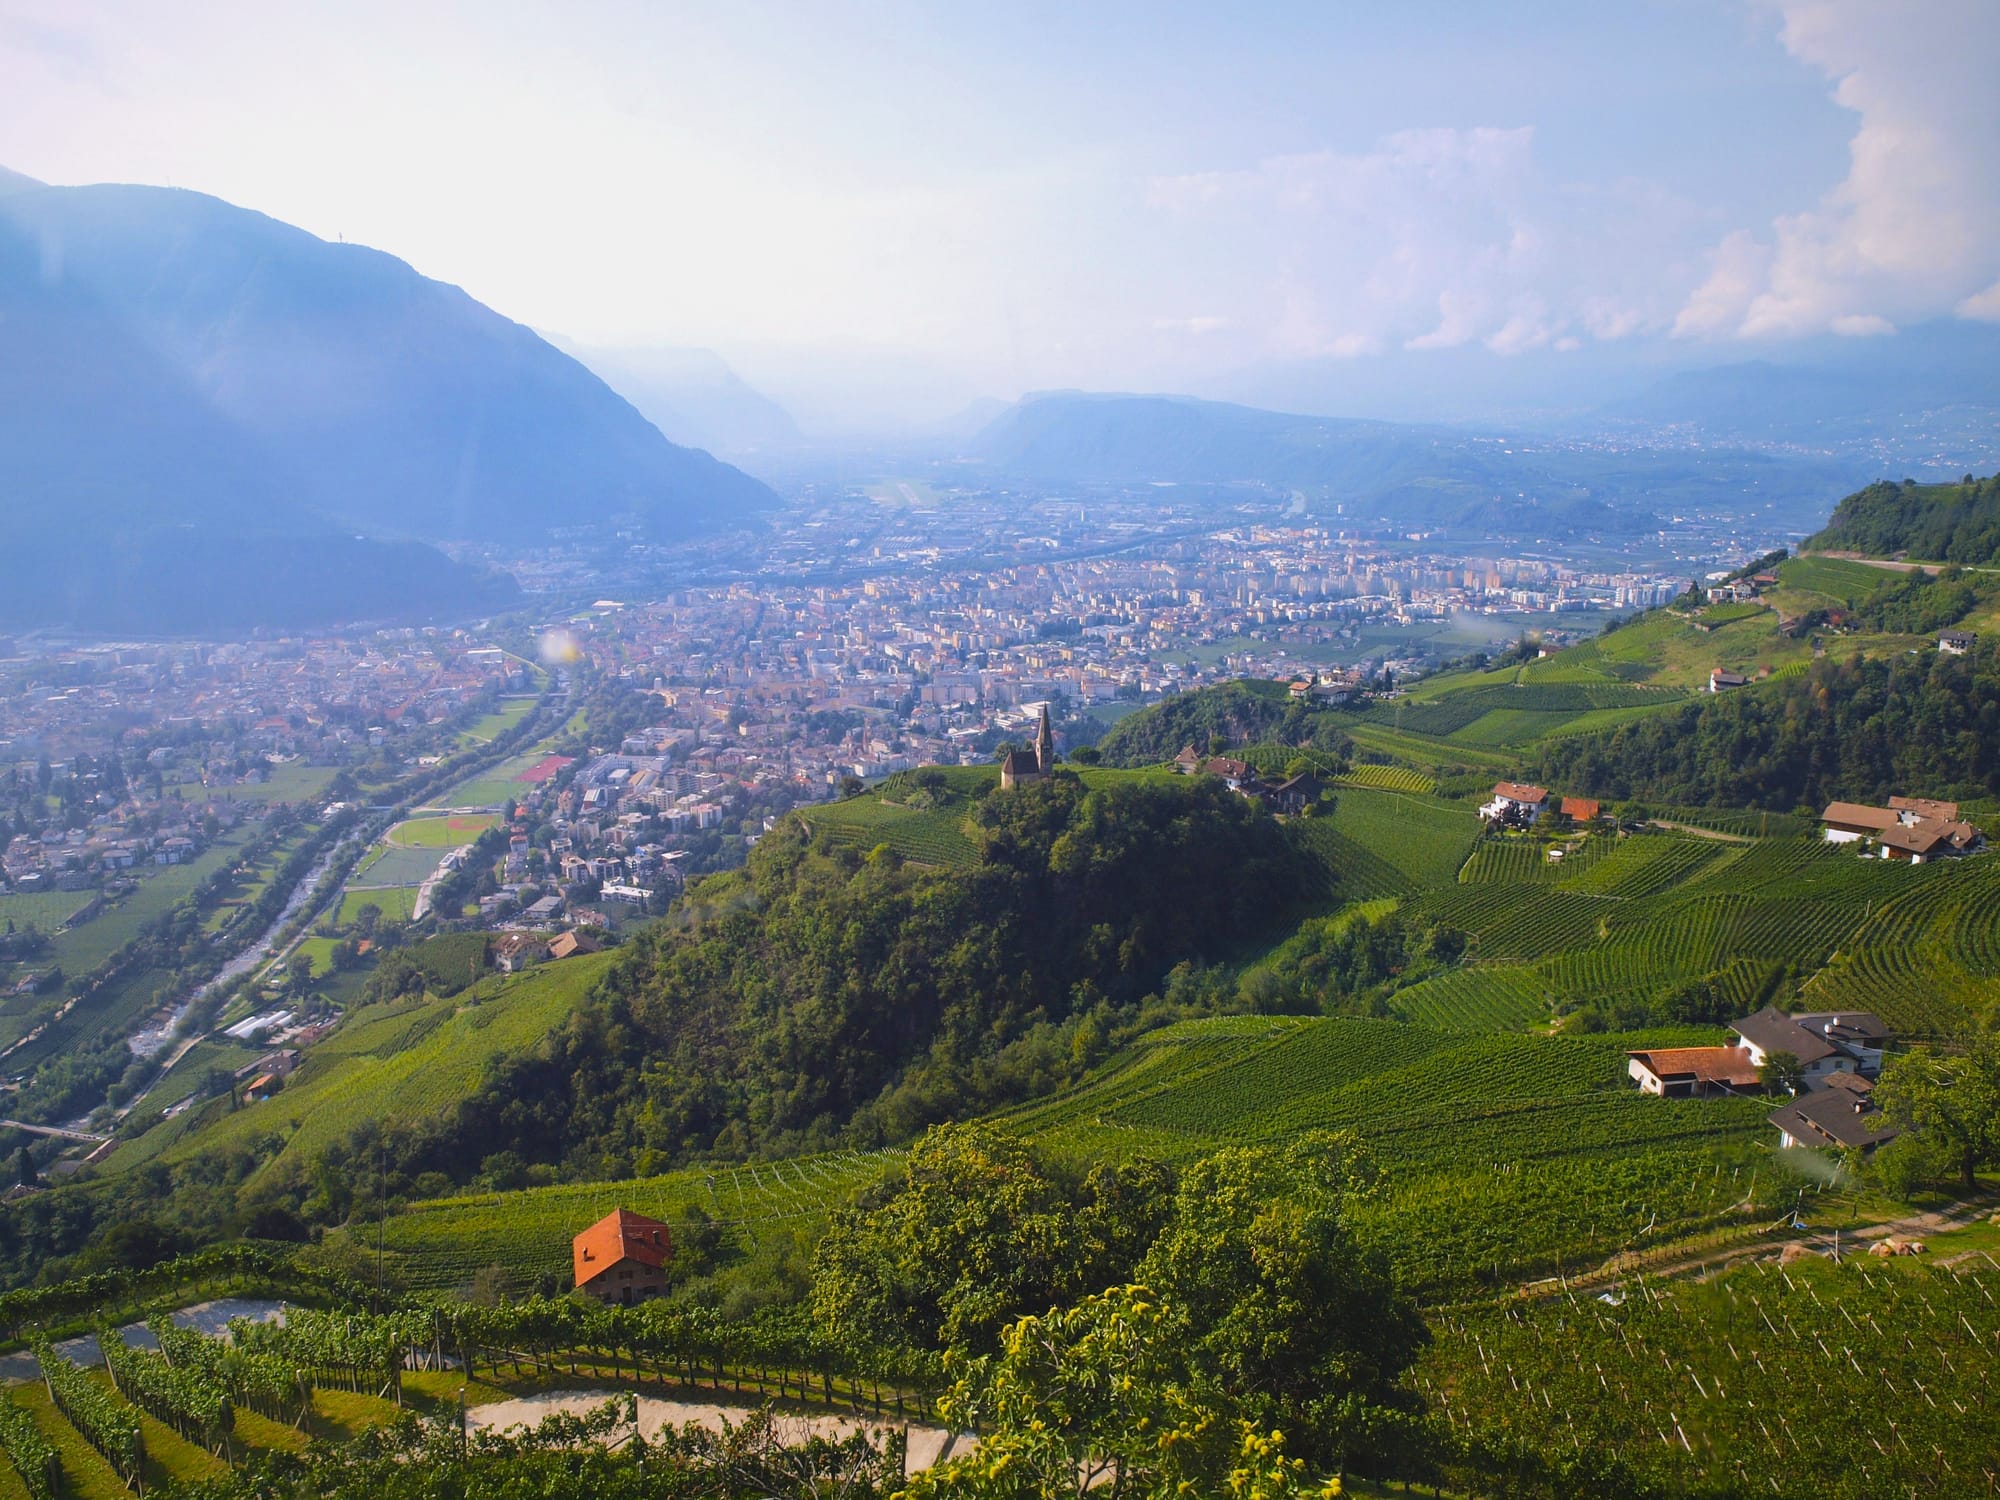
(1913, 230)
(1429, 239)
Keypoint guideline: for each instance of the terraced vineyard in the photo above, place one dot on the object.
(1488, 997)
(1927, 958)
(444, 1242)
(1389, 779)
(926, 836)
(1685, 1381)
(409, 1061)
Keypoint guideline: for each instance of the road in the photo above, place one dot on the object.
(59, 1132)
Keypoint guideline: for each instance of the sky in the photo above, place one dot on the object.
(887, 209)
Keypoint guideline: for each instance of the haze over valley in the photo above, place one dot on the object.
(912, 751)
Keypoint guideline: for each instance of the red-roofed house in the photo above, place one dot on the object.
(1682, 1072)
(622, 1258)
(1581, 809)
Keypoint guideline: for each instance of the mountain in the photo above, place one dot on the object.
(1396, 473)
(1932, 522)
(691, 395)
(1926, 397)
(134, 507)
(178, 362)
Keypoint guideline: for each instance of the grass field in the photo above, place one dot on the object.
(489, 727)
(396, 904)
(451, 832)
(393, 866)
(45, 911)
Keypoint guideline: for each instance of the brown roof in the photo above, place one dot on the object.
(566, 944)
(1919, 838)
(620, 1235)
(1860, 815)
(1834, 1117)
(1771, 1030)
(1583, 809)
(1730, 1065)
(1520, 791)
(1223, 765)
(1928, 806)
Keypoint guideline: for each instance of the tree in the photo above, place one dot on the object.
(1280, 1306)
(1100, 1399)
(1782, 1070)
(975, 1236)
(1953, 1100)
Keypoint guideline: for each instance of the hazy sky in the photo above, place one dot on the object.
(1004, 196)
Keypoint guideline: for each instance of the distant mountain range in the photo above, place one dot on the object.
(1926, 395)
(692, 396)
(1398, 473)
(201, 407)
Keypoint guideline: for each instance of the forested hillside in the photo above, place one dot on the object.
(1932, 522)
(823, 995)
(1237, 713)
(1862, 729)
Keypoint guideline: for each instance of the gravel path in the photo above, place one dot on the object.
(927, 1444)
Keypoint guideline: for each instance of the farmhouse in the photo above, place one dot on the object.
(1687, 1072)
(1515, 802)
(622, 1258)
(1720, 681)
(1842, 1115)
(1581, 809)
(1295, 794)
(1956, 642)
(1909, 828)
(1824, 1042)
(514, 951)
(1239, 775)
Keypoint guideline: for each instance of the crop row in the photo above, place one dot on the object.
(186, 1397)
(105, 1422)
(267, 1384)
(1643, 865)
(1504, 1217)
(1806, 1380)
(1388, 779)
(445, 1242)
(1519, 922)
(30, 1452)
(1521, 860)
(1477, 998)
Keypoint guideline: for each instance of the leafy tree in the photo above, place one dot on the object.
(1278, 1304)
(1953, 1100)
(1782, 1071)
(976, 1235)
(1100, 1399)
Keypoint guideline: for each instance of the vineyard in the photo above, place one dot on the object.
(409, 1061)
(931, 836)
(1810, 1380)
(1490, 997)
(442, 1243)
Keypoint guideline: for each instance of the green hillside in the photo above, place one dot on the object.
(406, 1062)
(1957, 523)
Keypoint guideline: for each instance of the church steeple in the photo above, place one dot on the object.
(1045, 744)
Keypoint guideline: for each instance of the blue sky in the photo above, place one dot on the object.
(920, 203)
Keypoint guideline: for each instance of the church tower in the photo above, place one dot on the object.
(1045, 744)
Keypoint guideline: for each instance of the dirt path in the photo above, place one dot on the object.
(1769, 1244)
(1705, 833)
(927, 1445)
